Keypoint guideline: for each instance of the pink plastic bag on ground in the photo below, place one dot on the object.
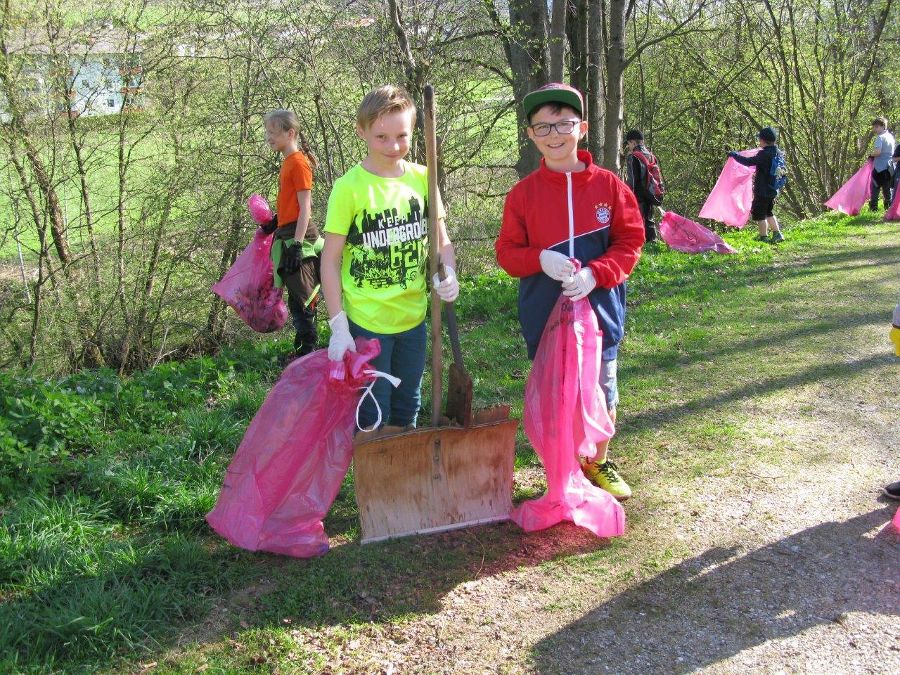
(249, 288)
(565, 415)
(853, 194)
(294, 456)
(893, 213)
(729, 201)
(689, 237)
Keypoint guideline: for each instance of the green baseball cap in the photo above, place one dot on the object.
(555, 92)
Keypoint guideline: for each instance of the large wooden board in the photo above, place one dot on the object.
(433, 479)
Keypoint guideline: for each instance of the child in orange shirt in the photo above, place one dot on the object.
(295, 254)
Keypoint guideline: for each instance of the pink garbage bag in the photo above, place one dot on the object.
(566, 416)
(893, 213)
(729, 201)
(689, 237)
(259, 209)
(853, 194)
(291, 462)
(249, 288)
(896, 521)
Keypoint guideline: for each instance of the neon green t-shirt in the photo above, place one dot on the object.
(384, 266)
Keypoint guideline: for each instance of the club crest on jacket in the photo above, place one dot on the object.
(603, 212)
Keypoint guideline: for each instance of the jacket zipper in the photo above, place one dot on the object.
(571, 214)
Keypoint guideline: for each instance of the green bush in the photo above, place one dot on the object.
(42, 424)
(49, 415)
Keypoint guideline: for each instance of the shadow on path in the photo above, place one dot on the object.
(716, 605)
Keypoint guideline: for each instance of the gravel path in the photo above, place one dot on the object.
(782, 561)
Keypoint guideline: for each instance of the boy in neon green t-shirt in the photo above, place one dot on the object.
(374, 262)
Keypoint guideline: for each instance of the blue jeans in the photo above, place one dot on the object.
(402, 355)
(609, 383)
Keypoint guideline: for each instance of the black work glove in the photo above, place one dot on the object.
(291, 257)
(271, 226)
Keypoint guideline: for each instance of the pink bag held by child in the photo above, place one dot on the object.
(729, 201)
(259, 209)
(566, 415)
(689, 237)
(291, 462)
(893, 213)
(853, 194)
(249, 286)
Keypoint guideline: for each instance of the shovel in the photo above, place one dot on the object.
(440, 477)
(459, 388)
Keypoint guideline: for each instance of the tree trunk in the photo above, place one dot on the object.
(594, 100)
(615, 76)
(121, 216)
(415, 75)
(81, 167)
(40, 224)
(558, 40)
(577, 31)
(215, 322)
(527, 55)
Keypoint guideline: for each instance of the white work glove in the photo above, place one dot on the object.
(578, 286)
(556, 265)
(341, 341)
(448, 289)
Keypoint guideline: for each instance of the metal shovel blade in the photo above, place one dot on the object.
(459, 388)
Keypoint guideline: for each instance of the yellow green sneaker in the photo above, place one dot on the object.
(606, 477)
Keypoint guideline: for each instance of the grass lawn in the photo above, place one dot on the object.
(106, 563)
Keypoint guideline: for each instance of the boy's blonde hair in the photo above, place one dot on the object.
(381, 101)
(287, 120)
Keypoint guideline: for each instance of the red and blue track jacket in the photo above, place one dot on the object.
(607, 233)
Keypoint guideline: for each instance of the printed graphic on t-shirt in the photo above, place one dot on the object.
(388, 248)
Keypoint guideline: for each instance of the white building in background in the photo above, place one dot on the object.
(103, 83)
(104, 74)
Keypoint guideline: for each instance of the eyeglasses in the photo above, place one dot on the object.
(563, 127)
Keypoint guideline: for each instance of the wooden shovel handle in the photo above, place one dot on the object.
(434, 266)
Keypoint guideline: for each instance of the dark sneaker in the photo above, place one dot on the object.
(892, 490)
(606, 477)
(759, 237)
(777, 237)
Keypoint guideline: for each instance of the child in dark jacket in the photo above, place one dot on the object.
(638, 161)
(570, 197)
(764, 194)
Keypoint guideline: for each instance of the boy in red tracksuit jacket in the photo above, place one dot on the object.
(608, 233)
